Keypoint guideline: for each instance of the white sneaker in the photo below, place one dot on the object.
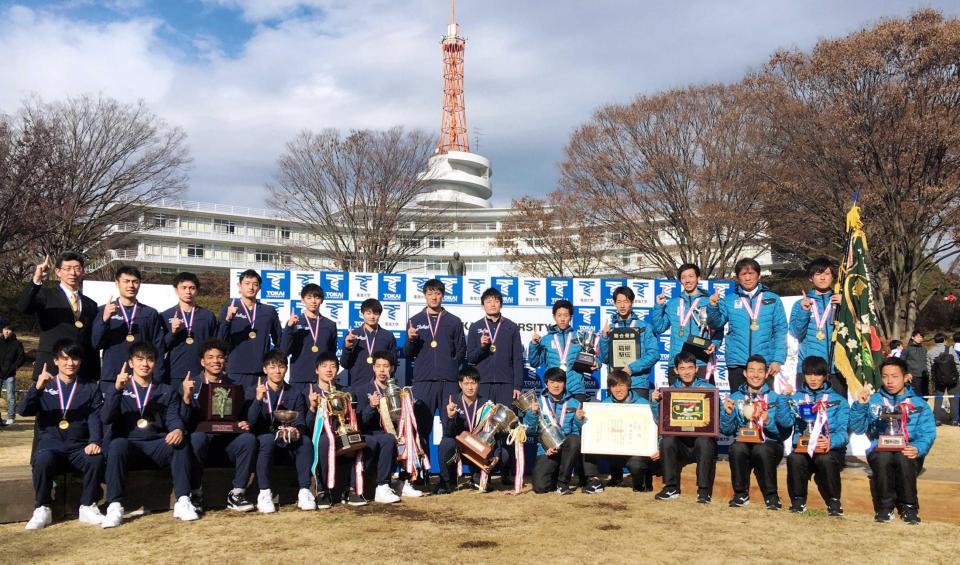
(114, 516)
(9, 422)
(42, 517)
(385, 495)
(409, 491)
(184, 510)
(265, 502)
(305, 500)
(91, 515)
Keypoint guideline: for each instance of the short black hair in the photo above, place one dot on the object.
(435, 284)
(371, 304)
(916, 333)
(756, 359)
(746, 263)
(956, 337)
(5, 323)
(819, 265)
(894, 362)
(815, 365)
(684, 357)
(214, 343)
(68, 347)
(939, 337)
(128, 270)
(250, 274)
(275, 357)
(312, 289)
(895, 343)
(326, 357)
(555, 374)
(491, 293)
(687, 267)
(143, 349)
(626, 291)
(618, 377)
(468, 372)
(186, 277)
(562, 303)
(69, 256)
(384, 354)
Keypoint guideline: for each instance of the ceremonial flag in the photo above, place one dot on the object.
(855, 336)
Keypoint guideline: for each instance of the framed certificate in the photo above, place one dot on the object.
(624, 347)
(611, 428)
(690, 412)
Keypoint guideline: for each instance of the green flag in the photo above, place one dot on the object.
(854, 332)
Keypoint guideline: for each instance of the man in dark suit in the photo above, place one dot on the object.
(63, 312)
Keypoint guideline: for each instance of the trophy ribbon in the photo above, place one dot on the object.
(563, 352)
(518, 437)
(327, 424)
(752, 313)
(820, 321)
(408, 433)
(905, 407)
(761, 411)
(820, 425)
(64, 407)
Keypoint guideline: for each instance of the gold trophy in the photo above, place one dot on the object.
(338, 404)
(478, 447)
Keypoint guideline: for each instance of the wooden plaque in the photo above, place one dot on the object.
(690, 411)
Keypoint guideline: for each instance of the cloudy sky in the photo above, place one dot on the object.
(242, 77)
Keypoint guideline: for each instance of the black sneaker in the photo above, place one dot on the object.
(594, 486)
(506, 480)
(615, 481)
(238, 502)
(883, 516)
(667, 493)
(354, 499)
(910, 515)
(196, 500)
(773, 502)
(324, 500)
(442, 488)
(704, 498)
(563, 489)
(799, 505)
(739, 500)
(834, 508)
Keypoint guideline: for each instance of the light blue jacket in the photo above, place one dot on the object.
(666, 316)
(779, 422)
(641, 369)
(838, 414)
(770, 340)
(545, 354)
(569, 423)
(921, 426)
(803, 326)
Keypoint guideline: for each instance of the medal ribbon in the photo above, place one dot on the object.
(65, 407)
(188, 323)
(270, 407)
(563, 352)
(369, 343)
(434, 330)
(313, 330)
(136, 396)
(553, 410)
(752, 313)
(820, 321)
(684, 314)
(251, 314)
(128, 319)
(493, 336)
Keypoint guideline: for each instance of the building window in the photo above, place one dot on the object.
(236, 253)
(435, 242)
(164, 220)
(263, 256)
(194, 250)
(284, 233)
(224, 226)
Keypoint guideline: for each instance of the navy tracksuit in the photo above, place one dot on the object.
(182, 356)
(381, 445)
(240, 449)
(131, 443)
(111, 338)
(344, 463)
(57, 449)
(246, 355)
(261, 425)
(501, 371)
(354, 359)
(435, 369)
(297, 341)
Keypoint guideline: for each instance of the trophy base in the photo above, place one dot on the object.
(749, 435)
(891, 443)
(584, 363)
(803, 444)
(214, 427)
(698, 346)
(474, 450)
(349, 443)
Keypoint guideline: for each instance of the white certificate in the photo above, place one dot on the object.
(611, 428)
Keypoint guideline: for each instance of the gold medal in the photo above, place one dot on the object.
(189, 340)
(63, 424)
(78, 324)
(130, 337)
(493, 348)
(821, 335)
(252, 334)
(683, 332)
(754, 326)
(315, 349)
(370, 359)
(142, 423)
(433, 344)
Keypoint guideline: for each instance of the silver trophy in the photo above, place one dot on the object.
(587, 357)
(284, 418)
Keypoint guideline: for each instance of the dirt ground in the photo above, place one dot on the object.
(617, 526)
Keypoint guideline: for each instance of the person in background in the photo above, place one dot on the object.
(915, 356)
(896, 348)
(944, 368)
(11, 357)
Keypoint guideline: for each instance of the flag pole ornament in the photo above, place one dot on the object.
(855, 337)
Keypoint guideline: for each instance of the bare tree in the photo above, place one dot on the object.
(877, 112)
(669, 177)
(357, 193)
(548, 238)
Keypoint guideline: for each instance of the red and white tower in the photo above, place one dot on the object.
(456, 177)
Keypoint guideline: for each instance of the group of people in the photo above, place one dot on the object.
(122, 384)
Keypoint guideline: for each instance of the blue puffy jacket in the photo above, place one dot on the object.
(921, 426)
(778, 424)
(641, 369)
(770, 340)
(546, 354)
(666, 316)
(838, 414)
(569, 421)
(803, 326)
